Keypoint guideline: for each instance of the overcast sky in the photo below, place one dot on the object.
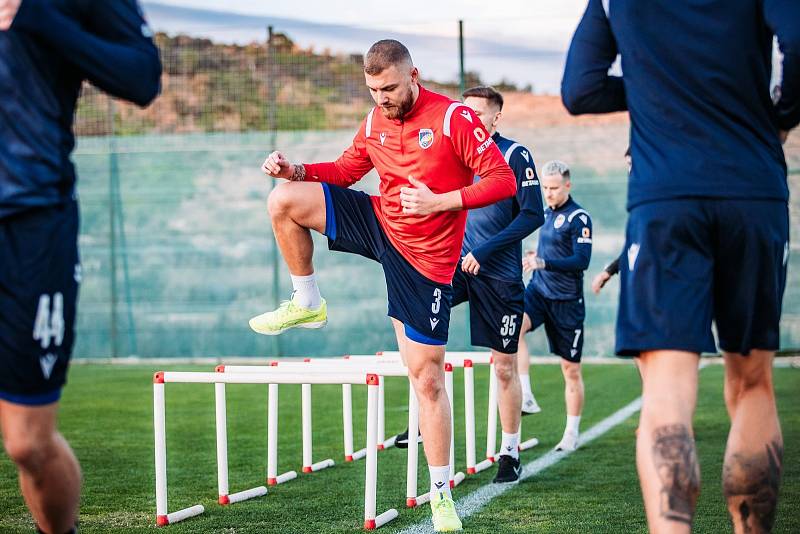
(541, 23)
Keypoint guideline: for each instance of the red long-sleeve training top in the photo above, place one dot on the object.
(441, 143)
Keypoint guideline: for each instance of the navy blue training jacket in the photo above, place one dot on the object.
(51, 47)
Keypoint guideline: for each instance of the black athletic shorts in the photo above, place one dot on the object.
(39, 277)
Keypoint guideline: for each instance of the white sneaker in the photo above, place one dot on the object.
(529, 405)
(568, 443)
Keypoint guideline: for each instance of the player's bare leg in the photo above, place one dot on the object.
(509, 397)
(294, 208)
(573, 398)
(509, 394)
(49, 475)
(529, 404)
(665, 451)
(426, 373)
(754, 455)
(400, 334)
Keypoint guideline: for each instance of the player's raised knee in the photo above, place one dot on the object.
(280, 199)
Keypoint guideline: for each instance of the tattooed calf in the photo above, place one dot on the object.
(750, 483)
(676, 463)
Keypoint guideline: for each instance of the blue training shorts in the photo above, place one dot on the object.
(422, 305)
(689, 262)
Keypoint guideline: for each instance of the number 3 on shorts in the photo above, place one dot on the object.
(437, 301)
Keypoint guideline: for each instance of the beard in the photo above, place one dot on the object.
(398, 111)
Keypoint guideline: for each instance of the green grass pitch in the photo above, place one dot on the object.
(107, 417)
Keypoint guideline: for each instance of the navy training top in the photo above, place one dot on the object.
(51, 47)
(696, 78)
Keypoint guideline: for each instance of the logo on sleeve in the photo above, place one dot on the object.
(585, 219)
(425, 138)
(559, 222)
(466, 115)
(526, 156)
(383, 137)
(530, 178)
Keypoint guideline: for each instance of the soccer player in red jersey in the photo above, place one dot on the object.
(426, 148)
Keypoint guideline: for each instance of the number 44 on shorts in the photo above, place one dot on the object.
(49, 324)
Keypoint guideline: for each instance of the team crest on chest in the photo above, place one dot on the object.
(559, 222)
(425, 137)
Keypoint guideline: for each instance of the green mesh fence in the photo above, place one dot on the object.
(175, 240)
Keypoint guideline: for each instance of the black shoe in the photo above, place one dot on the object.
(508, 470)
(401, 441)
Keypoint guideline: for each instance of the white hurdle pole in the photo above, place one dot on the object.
(347, 421)
(454, 357)
(469, 414)
(352, 377)
(491, 423)
(273, 478)
(308, 464)
(448, 387)
(159, 423)
(413, 447)
(222, 443)
(371, 521)
(383, 443)
(381, 421)
(222, 452)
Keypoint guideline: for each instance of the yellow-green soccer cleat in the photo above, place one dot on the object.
(445, 518)
(289, 315)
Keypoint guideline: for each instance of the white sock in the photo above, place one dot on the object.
(510, 445)
(440, 479)
(306, 292)
(573, 421)
(525, 381)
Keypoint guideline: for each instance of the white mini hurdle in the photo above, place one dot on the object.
(371, 519)
(467, 360)
(369, 365)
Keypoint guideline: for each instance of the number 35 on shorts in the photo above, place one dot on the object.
(509, 325)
